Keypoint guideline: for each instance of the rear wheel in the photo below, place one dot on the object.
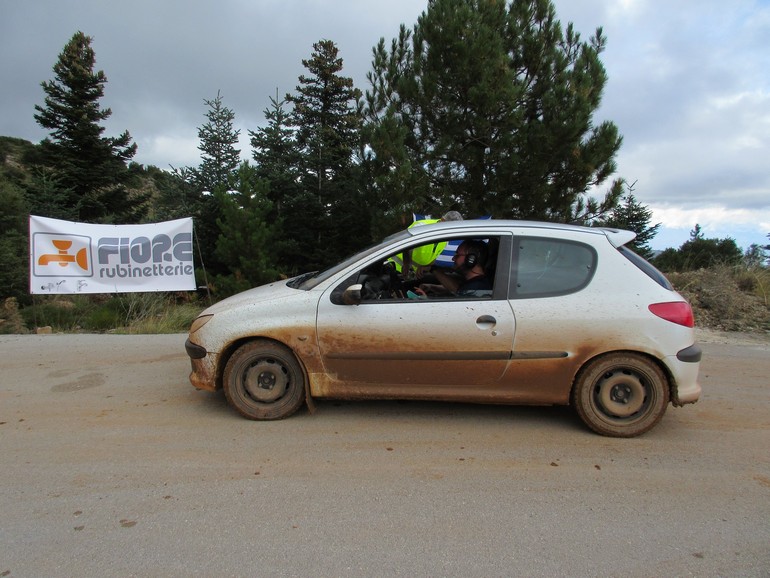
(621, 395)
(263, 380)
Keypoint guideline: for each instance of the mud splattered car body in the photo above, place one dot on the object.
(574, 317)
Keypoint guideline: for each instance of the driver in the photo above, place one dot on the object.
(467, 278)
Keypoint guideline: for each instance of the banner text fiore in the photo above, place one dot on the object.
(67, 257)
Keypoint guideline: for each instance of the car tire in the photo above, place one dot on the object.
(621, 394)
(264, 381)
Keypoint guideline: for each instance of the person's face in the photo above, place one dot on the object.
(459, 257)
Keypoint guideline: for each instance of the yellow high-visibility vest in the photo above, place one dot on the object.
(423, 255)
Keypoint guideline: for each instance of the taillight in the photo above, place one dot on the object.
(678, 312)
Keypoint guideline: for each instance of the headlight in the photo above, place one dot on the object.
(199, 322)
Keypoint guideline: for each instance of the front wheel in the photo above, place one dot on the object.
(621, 395)
(263, 380)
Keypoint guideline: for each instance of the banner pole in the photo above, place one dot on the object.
(34, 311)
(203, 265)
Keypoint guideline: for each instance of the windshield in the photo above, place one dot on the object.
(310, 280)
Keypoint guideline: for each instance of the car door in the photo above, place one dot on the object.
(433, 347)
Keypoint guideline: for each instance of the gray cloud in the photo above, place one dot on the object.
(689, 86)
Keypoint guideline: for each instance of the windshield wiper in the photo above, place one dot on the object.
(299, 279)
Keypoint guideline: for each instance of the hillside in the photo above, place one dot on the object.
(727, 298)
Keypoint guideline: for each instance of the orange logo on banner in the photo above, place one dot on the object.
(63, 258)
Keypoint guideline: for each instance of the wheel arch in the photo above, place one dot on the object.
(227, 353)
(621, 393)
(671, 382)
(262, 341)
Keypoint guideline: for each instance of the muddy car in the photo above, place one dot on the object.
(566, 316)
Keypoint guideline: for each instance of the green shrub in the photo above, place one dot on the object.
(103, 318)
(175, 319)
(11, 321)
(129, 312)
(61, 313)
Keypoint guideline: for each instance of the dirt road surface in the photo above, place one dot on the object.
(111, 464)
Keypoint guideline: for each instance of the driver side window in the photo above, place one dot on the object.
(449, 268)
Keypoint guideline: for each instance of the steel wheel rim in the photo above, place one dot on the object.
(266, 380)
(622, 394)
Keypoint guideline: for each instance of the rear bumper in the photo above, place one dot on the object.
(684, 370)
(690, 354)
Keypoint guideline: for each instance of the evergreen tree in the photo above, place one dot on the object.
(247, 235)
(487, 105)
(755, 256)
(699, 253)
(696, 233)
(633, 216)
(14, 244)
(48, 196)
(207, 184)
(90, 168)
(276, 156)
(171, 196)
(328, 214)
(325, 118)
(277, 164)
(218, 139)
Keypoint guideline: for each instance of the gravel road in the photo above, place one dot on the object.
(111, 464)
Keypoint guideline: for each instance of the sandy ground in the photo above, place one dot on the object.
(111, 464)
(760, 340)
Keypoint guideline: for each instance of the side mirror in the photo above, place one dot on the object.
(352, 295)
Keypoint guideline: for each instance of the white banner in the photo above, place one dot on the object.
(68, 257)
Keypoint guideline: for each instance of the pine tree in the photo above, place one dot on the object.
(14, 244)
(48, 196)
(275, 154)
(488, 105)
(277, 164)
(329, 215)
(755, 256)
(698, 252)
(696, 233)
(218, 138)
(633, 216)
(246, 233)
(90, 167)
(325, 119)
(173, 197)
(207, 183)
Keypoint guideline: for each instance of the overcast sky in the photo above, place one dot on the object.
(689, 83)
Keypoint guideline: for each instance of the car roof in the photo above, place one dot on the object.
(617, 237)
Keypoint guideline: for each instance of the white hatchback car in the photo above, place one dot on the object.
(563, 315)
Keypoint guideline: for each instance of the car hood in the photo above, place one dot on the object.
(270, 292)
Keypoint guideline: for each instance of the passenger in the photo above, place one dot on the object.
(467, 278)
(419, 260)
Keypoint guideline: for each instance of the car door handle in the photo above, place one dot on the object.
(486, 322)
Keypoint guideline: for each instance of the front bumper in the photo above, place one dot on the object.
(194, 351)
(203, 375)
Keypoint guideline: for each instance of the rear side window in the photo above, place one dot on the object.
(549, 267)
(646, 267)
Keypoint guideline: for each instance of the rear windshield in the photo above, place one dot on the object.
(647, 267)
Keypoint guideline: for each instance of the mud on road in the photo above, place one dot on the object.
(113, 465)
